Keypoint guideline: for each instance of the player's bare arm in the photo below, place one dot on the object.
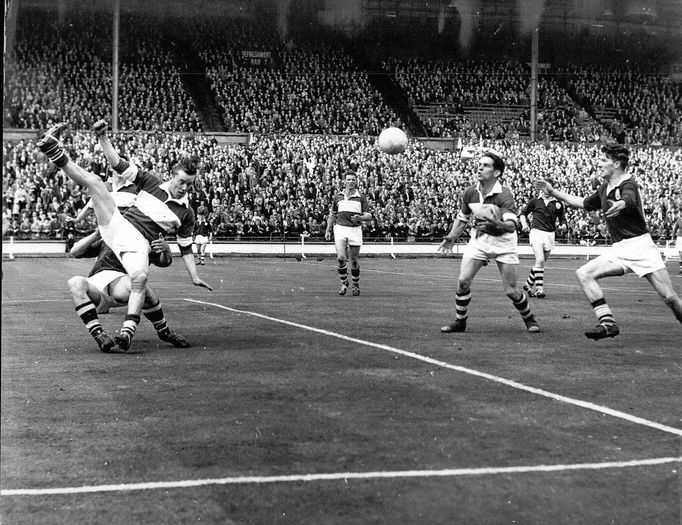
(571, 200)
(449, 241)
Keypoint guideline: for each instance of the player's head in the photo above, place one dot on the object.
(491, 159)
(351, 179)
(617, 154)
(184, 175)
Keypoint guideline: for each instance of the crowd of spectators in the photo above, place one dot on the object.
(648, 104)
(310, 82)
(282, 185)
(60, 69)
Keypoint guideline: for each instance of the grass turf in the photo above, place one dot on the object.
(337, 390)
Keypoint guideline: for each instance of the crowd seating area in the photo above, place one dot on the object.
(647, 107)
(311, 81)
(283, 184)
(61, 70)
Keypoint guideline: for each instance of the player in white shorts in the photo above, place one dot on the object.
(619, 199)
(108, 286)
(349, 209)
(545, 212)
(494, 237)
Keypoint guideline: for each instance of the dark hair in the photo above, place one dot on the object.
(617, 153)
(498, 162)
(189, 165)
(349, 172)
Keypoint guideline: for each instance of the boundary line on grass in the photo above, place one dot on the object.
(497, 379)
(337, 476)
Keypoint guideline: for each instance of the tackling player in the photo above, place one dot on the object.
(108, 286)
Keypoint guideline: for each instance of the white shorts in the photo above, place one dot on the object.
(350, 234)
(679, 244)
(501, 248)
(541, 238)
(201, 239)
(121, 236)
(638, 255)
(101, 281)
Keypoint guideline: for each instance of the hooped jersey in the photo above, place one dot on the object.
(499, 196)
(630, 222)
(344, 207)
(155, 211)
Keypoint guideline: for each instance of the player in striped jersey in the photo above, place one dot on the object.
(160, 208)
(633, 250)
(492, 238)
(546, 212)
(349, 208)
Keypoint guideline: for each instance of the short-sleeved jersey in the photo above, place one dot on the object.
(343, 208)
(499, 196)
(545, 213)
(628, 223)
(155, 211)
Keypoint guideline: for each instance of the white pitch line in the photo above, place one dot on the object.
(514, 384)
(337, 476)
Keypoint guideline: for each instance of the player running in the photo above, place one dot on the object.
(633, 250)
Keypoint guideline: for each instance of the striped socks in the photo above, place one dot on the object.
(603, 312)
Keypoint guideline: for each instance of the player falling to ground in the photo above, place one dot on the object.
(633, 250)
(160, 208)
(545, 212)
(491, 238)
(349, 208)
(677, 229)
(108, 286)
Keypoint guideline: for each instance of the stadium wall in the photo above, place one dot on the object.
(12, 249)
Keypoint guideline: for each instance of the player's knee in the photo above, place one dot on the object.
(138, 280)
(582, 275)
(342, 261)
(77, 284)
(463, 285)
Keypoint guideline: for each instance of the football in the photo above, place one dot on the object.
(392, 141)
(486, 211)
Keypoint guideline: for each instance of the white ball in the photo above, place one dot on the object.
(392, 141)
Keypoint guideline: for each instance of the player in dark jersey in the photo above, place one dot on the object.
(160, 207)
(203, 233)
(348, 210)
(633, 250)
(546, 212)
(494, 237)
(108, 286)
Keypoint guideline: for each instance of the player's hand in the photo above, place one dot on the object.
(615, 208)
(525, 229)
(160, 245)
(447, 245)
(100, 127)
(327, 236)
(199, 282)
(543, 185)
(356, 219)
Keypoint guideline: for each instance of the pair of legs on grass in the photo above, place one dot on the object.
(507, 267)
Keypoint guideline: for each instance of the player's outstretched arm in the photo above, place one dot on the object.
(449, 241)
(571, 200)
(188, 259)
(100, 129)
(82, 247)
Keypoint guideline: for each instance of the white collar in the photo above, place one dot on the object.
(166, 187)
(497, 188)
